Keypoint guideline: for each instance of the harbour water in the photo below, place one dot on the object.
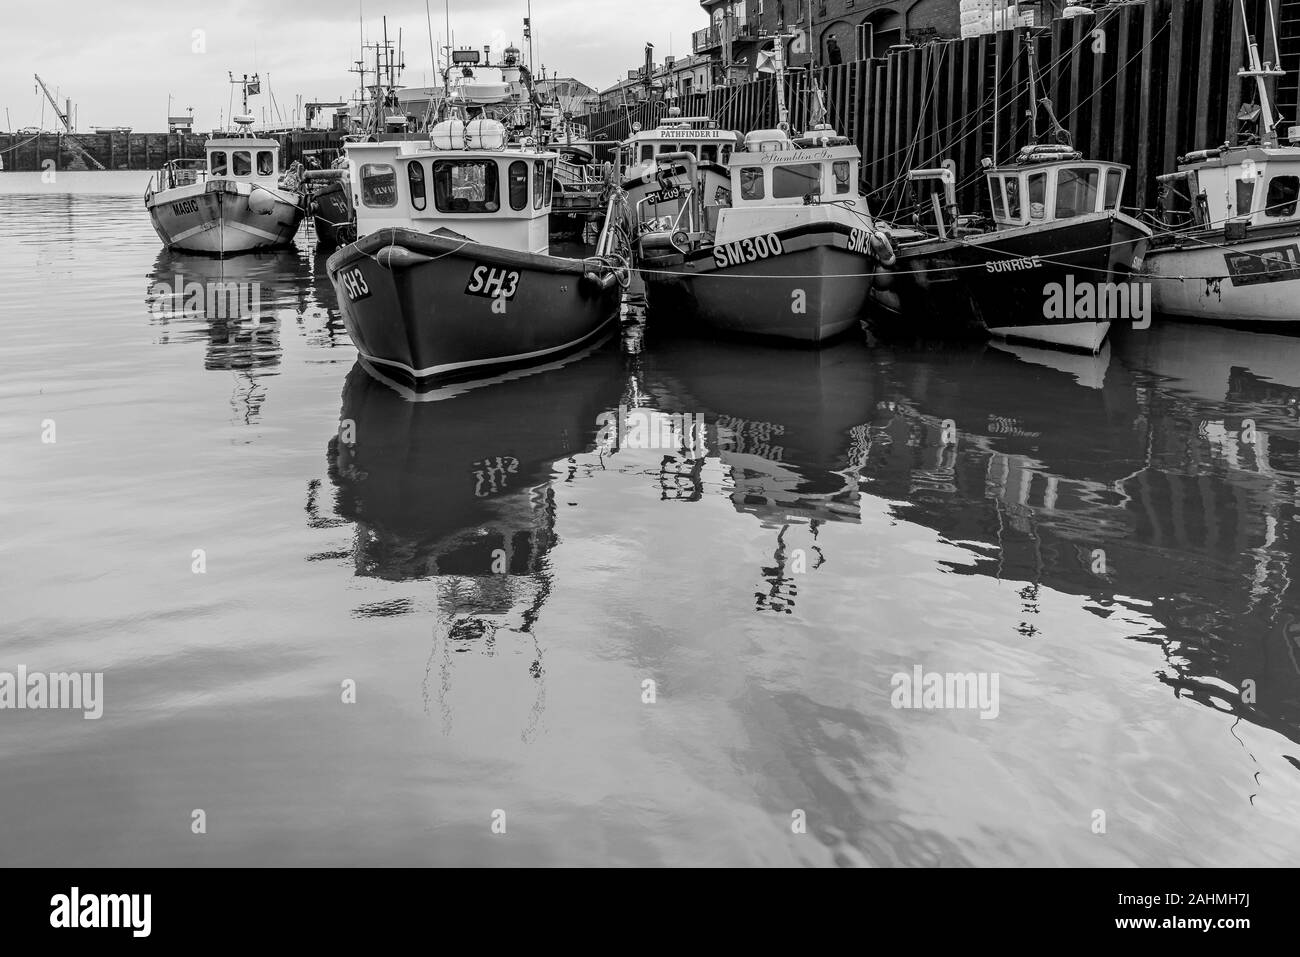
(238, 526)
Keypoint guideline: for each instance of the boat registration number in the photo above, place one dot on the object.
(492, 283)
(664, 195)
(1273, 264)
(354, 284)
(748, 250)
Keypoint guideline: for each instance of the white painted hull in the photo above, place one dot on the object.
(1084, 336)
(220, 217)
(1245, 282)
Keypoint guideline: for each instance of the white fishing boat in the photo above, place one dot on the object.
(1236, 258)
(648, 182)
(784, 247)
(233, 200)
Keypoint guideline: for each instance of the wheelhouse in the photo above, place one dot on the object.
(468, 182)
(774, 170)
(1254, 186)
(1031, 193)
(697, 135)
(246, 159)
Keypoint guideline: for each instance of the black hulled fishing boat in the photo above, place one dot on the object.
(1051, 267)
(453, 276)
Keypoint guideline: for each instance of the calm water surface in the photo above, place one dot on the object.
(1091, 530)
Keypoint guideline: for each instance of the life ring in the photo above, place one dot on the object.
(883, 249)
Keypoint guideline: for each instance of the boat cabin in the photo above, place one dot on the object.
(1051, 185)
(771, 169)
(465, 179)
(697, 135)
(244, 159)
(1251, 186)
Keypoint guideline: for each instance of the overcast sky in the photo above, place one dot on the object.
(119, 61)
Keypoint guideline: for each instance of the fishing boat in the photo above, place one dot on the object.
(649, 183)
(786, 249)
(1236, 255)
(1056, 264)
(233, 200)
(453, 276)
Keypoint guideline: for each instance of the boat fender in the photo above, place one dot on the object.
(262, 202)
(882, 248)
(399, 257)
(1196, 156)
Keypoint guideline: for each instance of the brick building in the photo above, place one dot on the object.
(834, 29)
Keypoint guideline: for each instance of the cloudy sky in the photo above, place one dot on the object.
(119, 61)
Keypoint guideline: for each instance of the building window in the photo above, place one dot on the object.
(517, 179)
(378, 185)
(465, 186)
(1282, 193)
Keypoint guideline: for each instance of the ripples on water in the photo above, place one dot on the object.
(828, 536)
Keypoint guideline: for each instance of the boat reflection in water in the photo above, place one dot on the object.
(457, 488)
(1090, 527)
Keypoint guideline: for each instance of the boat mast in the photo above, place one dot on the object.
(778, 59)
(1268, 122)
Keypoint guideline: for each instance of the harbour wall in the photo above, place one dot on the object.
(1137, 83)
(142, 151)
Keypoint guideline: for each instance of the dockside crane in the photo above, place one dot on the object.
(69, 135)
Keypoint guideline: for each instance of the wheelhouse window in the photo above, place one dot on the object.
(1011, 189)
(1282, 194)
(415, 180)
(1114, 183)
(1076, 191)
(1037, 190)
(241, 163)
(217, 162)
(647, 152)
(725, 155)
(1245, 196)
(378, 185)
(689, 148)
(550, 181)
(708, 154)
(517, 185)
(995, 196)
(465, 186)
(751, 183)
(539, 183)
(840, 173)
(265, 163)
(796, 180)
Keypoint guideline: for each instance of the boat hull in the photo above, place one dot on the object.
(813, 291)
(221, 217)
(1247, 282)
(332, 215)
(1000, 283)
(428, 309)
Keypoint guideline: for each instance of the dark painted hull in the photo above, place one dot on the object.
(417, 322)
(813, 291)
(333, 216)
(977, 286)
